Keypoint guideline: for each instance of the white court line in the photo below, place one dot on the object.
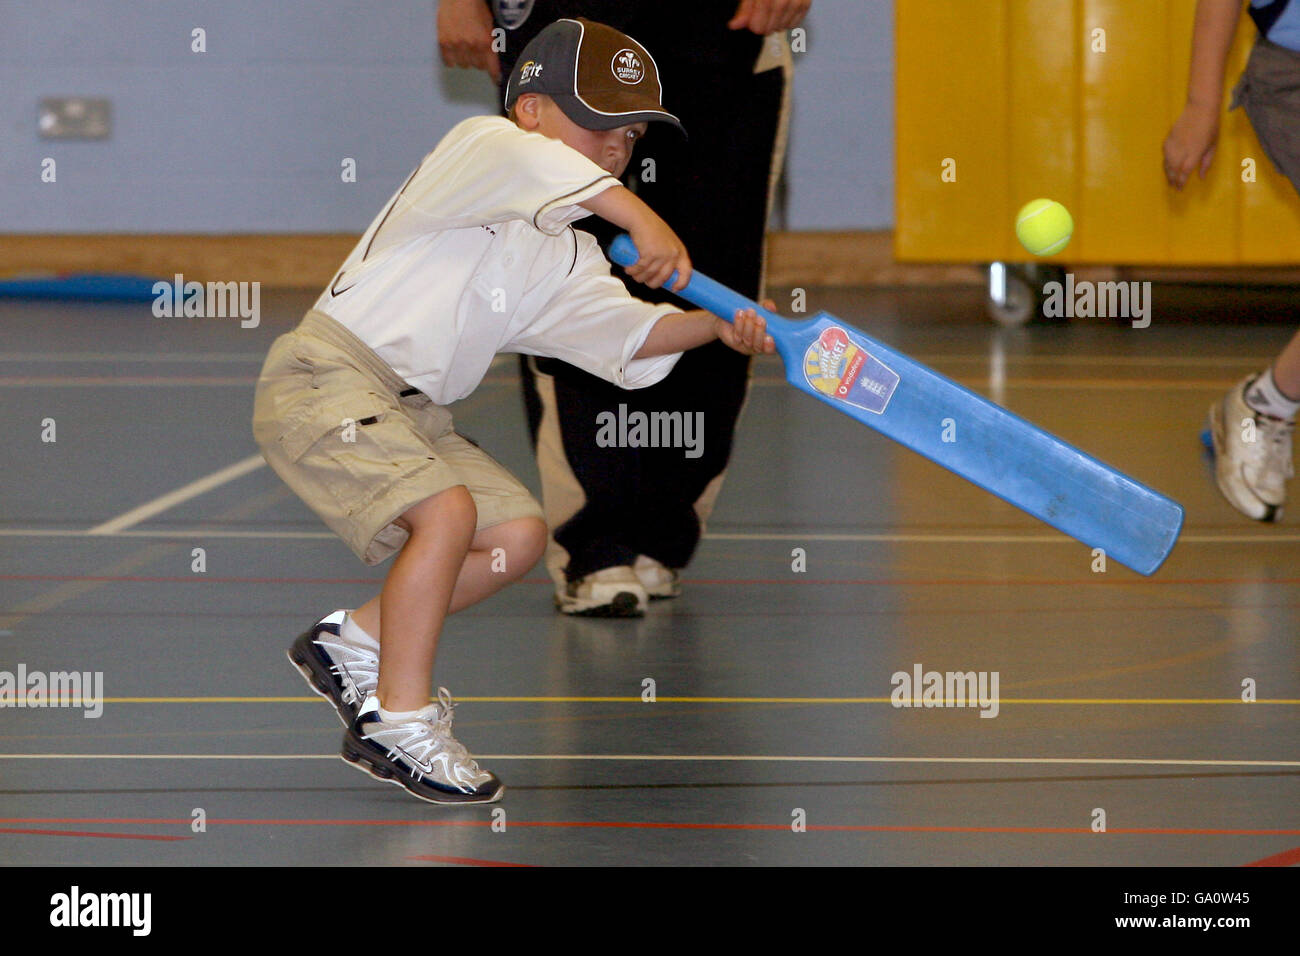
(195, 488)
(259, 357)
(1102, 360)
(160, 357)
(763, 381)
(990, 538)
(706, 758)
(712, 536)
(183, 533)
(1013, 382)
(99, 357)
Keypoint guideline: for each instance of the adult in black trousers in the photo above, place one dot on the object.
(625, 519)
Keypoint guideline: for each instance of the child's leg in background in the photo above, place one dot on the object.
(1253, 465)
(1286, 370)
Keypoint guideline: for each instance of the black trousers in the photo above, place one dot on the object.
(712, 189)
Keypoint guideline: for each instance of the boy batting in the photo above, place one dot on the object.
(472, 256)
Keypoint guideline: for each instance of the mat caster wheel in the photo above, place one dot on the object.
(1011, 301)
(1015, 292)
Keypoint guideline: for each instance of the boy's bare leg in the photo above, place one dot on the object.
(417, 593)
(396, 736)
(483, 572)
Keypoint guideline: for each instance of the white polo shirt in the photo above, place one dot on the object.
(474, 255)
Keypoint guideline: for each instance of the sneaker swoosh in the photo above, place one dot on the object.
(426, 768)
(398, 748)
(451, 771)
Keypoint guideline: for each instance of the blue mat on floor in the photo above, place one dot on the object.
(83, 286)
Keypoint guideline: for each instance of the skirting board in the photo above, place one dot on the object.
(309, 260)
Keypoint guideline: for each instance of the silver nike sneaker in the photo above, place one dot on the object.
(419, 754)
(343, 673)
(1252, 455)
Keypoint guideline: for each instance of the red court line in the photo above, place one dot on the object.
(465, 860)
(190, 579)
(86, 833)
(667, 825)
(125, 380)
(1285, 858)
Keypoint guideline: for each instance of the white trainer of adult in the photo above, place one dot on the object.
(609, 592)
(658, 580)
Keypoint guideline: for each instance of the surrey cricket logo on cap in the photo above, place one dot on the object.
(627, 67)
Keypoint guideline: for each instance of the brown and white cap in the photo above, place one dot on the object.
(599, 77)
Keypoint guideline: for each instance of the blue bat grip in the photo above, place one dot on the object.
(707, 293)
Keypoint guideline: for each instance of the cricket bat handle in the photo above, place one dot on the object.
(708, 294)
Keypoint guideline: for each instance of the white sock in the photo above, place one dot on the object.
(396, 716)
(353, 633)
(1265, 397)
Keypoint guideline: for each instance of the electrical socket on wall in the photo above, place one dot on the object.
(74, 117)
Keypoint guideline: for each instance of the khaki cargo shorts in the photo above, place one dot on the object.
(360, 447)
(1269, 90)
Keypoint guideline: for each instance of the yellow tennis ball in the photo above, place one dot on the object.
(1044, 227)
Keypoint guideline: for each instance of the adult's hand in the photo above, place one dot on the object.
(766, 16)
(465, 36)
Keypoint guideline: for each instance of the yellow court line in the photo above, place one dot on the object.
(917, 702)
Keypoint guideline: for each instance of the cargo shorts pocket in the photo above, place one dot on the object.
(312, 421)
(354, 448)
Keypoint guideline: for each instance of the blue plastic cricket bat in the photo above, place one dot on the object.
(988, 445)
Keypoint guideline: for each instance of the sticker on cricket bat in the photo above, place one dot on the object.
(837, 366)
